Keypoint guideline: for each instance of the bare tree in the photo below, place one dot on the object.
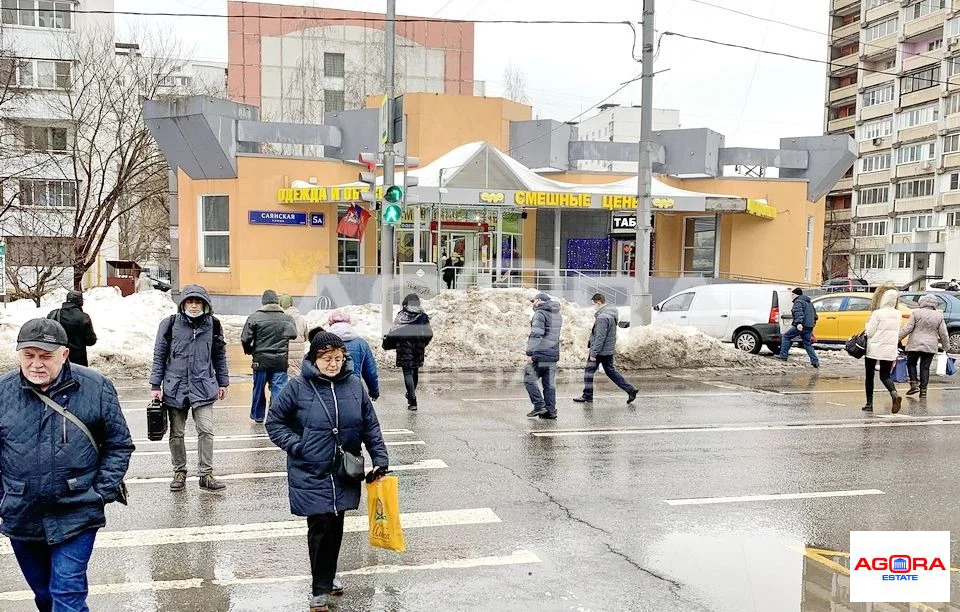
(515, 84)
(39, 257)
(836, 232)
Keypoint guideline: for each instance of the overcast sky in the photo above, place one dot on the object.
(752, 98)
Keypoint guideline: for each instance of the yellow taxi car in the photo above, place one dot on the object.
(842, 315)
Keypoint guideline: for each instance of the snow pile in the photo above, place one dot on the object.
(126, 328)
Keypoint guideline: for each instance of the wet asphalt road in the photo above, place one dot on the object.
(506, 513)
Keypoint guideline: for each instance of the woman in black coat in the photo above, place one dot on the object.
(324, 407)
(410, 335)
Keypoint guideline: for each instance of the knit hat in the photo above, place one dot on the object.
(323, 341)
(75, 297)
(286, 301)
(797, 291)
(340, 316)
(270, 297)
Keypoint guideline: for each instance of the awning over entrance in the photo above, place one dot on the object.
(478, 174)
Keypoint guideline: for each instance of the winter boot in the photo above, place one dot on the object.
(337, 589)
(319, 603)
(536, 412)
(210, 483)
(914, 388)
(179, 482)
(868, 407)
(632, 395)
(897, 402)
(583, 399)
(923, 393)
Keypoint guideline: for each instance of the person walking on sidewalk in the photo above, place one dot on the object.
(410, 335)
(364, 365)
(804, 320)
(603, 344)
(324, 408)
(298, 346)
(925, 327)
(190, 373)
(78, 326)
(266, 335)
(59, 469)
(543, 352)
(883, 336)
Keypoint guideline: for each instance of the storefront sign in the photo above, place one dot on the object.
(492, 197)
(623, 224)
(270, 217)
(316, 219)
(316, 195)
(552, 199)
(617, 202)
(761, 209)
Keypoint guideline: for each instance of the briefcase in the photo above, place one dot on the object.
(156, 421)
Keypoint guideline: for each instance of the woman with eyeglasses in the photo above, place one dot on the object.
(323, 410)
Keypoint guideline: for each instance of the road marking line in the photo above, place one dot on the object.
(730, 428)
(520, 557)
(601, 397)
(276, 529)
(859, 390)
(259, 449)
(255, 436)
(425, 464)
(836, 404)
(779, 496)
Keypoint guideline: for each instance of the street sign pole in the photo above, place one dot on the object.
(386, 115)
(641, 303)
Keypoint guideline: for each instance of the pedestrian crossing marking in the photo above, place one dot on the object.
(258, 449)
(425, 464)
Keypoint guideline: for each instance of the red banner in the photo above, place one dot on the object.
(354, 222)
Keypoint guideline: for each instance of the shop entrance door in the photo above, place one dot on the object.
(465, 245)
(625, 257)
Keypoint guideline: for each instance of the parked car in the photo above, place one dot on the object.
(845, 284)
(159, 284)
(940, 286)
(949, 306)
(748, 315)
(842, 315)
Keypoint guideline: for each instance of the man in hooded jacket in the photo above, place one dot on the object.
(603, 344)
(78, 325)
(543, 350)
(804, 320)
(266, 335)
(190, 373)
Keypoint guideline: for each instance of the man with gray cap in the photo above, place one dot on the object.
(78, 326)
(64, 450)
(543, 352)
(267, 335)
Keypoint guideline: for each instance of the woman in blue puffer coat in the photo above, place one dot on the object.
(303, 417)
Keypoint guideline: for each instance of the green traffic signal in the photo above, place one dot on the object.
(392, 213)
(393, 194)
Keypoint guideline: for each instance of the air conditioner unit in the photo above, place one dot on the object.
(953, 43)
(926, 165)
(877, 142)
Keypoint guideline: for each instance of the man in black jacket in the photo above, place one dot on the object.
(543, 350)
(267, 335)
(78, 325)
(804, 320)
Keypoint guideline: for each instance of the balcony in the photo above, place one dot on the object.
(880, 47)
(930, 94)
(867, 145)
(839, 5)
(851, 29)
(871, 79)
(841, 124)
(915, 169)
(918, 241)
(877, 110)
(844, 63)
(921, 132)
(924, 24)
(925, 203)
(884, 10)
(870, 243)
(952, 122)
(929, 58)
(842, 93)
(844, 184)
(950, 198)
(868, 179)
(872, 210)
(950, 160)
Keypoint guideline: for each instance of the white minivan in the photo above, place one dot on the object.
(746, 314)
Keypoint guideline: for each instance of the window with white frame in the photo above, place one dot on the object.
(953, 219)
(910, 223)
(876, 129)
(869, 229)
(952, 28)
(878, 95)
(215, 232)
(903, 261)
(874, 163)
(953, 66)
(935, 44)
(44, 139)
(874, 195)
(923, 78)
(954, 181)
(872, 261)
(43, 193)
(953, 104)
(920, 115)
(869, 4)
(914, 153)
(951, 143)
(880, 29)
(34, 13)
(924, 8)
(916, 188)
(36, 73)
(349, 250)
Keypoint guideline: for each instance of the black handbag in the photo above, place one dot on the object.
(857, 345)
(156, 421)
(347, 466)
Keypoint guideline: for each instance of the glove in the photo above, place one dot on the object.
(376, 473)
(374, 398)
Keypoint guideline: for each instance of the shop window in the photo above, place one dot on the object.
(215, 232)
(699, 246)
(349, 250)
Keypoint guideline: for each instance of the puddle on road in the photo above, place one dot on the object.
(737, 572)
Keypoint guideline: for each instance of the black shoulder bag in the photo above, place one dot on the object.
(122, 489)
(347, 466)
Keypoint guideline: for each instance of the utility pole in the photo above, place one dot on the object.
(641, 303)
(386, 229)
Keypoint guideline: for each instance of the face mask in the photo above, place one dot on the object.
(193, 316)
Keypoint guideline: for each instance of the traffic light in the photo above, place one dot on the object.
(369, 177)
(395, 196)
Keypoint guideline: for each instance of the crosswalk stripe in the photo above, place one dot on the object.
(259, 449)
(276, 529)
(424, 464)
(256, 436)
(519, 557)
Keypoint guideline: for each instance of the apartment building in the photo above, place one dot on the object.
(894, 85)
(615, 123)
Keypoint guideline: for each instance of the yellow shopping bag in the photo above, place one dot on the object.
(383, 510)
